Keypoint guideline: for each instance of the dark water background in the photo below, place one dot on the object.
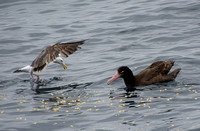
(118, 32)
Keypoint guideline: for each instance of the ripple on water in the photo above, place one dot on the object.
(132, 33)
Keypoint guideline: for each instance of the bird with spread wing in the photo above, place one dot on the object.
(53, 53)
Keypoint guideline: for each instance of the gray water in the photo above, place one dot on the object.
(118, 32)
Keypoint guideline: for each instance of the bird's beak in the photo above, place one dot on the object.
(64, 66)
(116, 75)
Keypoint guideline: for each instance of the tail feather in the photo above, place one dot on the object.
(174, 73)
(16, 71)
(27, 68)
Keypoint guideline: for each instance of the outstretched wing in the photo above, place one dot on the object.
(66, 49)
(50, 53)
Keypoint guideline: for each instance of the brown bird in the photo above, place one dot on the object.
(50, 54)
(157, 72)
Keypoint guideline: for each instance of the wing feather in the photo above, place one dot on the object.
(50, 53)
(66, 49)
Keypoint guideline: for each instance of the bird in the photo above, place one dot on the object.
(157, 72)
(51, 54)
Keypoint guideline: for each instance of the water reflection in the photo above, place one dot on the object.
(42, 82)
(37, 86)
(68, 86)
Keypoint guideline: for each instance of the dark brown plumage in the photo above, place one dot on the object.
(157, 72)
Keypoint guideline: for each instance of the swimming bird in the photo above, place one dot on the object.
(157, 72)
(53, 53)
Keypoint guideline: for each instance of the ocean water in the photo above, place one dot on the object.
(117, 32)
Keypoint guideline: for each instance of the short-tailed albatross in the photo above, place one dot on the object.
(50, 54)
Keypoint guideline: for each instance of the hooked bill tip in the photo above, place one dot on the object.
(108, 82)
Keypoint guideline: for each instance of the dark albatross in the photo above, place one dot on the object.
(157, 72)
(53, 53)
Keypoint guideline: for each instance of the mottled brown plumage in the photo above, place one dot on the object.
(50, 53)
(157, 72)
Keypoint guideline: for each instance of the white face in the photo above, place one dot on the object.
(58, 60)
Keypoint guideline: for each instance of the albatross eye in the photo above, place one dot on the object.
(121, 72)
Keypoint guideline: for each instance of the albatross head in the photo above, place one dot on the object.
(59, 60)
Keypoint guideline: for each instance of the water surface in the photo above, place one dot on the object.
(133, 33)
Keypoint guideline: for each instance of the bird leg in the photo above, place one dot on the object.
(38, 78)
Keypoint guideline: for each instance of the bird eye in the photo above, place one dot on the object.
(122, 72)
